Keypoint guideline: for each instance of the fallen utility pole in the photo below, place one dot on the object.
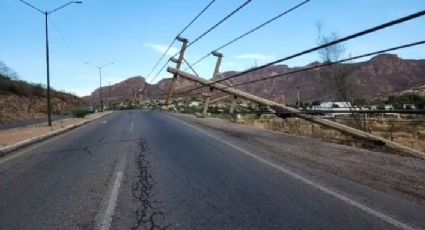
(215, 74)
(326, 123)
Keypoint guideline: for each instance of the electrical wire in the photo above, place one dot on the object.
(179, 34)
(207, 32)
(349, 37)
(323, 65)
(66, 43)
(336, 62)
(252, 30)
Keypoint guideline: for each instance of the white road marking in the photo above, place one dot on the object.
(104, 122)
(104, 217)
(335, 194)
(131, 126)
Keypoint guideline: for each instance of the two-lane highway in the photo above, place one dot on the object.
(150, 170)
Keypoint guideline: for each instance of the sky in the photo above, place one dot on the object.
(133, 33)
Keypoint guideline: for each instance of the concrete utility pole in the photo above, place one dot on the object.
(218, 63)
(179, 63)
(215, 74)
(207, 99)
(46, 14)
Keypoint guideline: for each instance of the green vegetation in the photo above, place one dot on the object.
(80, 112)
(21, 88)
(408, 98)
(10, 84)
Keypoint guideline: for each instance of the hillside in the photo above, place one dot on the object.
(378, 77)
(21, 101)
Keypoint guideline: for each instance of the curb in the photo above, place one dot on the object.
(11, 148)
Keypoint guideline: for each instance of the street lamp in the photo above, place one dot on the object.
(46, 14)
(100, 80)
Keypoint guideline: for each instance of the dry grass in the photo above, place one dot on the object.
(408, 132)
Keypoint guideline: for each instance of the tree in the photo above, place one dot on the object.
(340, 82)
(7, 72)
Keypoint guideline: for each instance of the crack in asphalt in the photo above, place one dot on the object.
(88, 147)
(100, 140)
(147, 214)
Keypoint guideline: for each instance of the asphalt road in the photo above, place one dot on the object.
(149, 170)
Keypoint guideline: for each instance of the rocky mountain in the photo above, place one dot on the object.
(130, 90)
(378, 77)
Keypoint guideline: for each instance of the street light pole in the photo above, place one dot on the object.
(49, 108)
(46, 14)
(99, 68)
(100, 85)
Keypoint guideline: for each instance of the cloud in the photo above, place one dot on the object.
(159, 48)
(112, 80)
(256, 56)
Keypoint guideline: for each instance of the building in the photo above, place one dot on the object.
(334, 106)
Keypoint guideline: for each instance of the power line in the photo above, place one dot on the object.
(253, 30)
(162, 57)
(219, 22)
(355, 35)
(66, 43)
(160, 70)
(336, 62)
(180, 33)
(207, 32)
(326, 64)
(196, 17)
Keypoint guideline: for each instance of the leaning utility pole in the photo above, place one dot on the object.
(215, 74)
(178, 65)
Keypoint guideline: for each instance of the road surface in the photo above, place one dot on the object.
(150, 170)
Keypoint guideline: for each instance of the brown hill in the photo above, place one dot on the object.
(378, 77)
(129, 90)
(20, 101)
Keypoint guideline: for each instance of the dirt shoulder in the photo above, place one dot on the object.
(393, 174)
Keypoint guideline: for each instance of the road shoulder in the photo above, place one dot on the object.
(398, 176)
(15, 139)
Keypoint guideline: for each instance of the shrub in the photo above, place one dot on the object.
(80, 112)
